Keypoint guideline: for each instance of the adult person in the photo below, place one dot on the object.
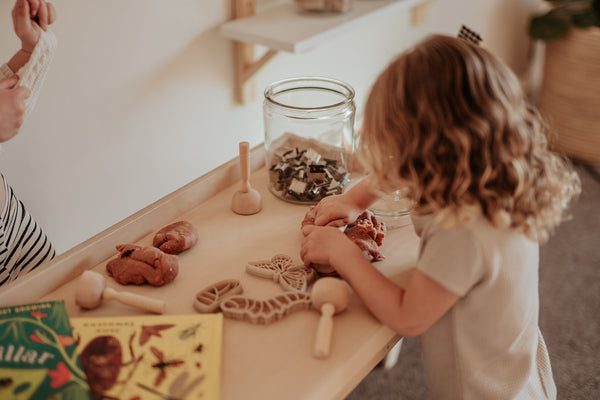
(23, 244)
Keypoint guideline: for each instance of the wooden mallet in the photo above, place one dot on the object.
(330, 296)
(92, 290)
(248, 200)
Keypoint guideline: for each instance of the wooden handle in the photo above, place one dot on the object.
(324, 332)
(135, 300)
(245, 166)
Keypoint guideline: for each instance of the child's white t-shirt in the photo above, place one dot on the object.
(488, 346)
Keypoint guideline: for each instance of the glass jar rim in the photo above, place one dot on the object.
(348, 95)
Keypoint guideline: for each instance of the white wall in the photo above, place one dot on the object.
(139, 100)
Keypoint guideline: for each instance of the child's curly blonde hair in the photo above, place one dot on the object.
(450, 122)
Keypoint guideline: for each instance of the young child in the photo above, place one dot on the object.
(23, 244)
(449, 122)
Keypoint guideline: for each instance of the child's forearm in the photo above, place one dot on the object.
(380, 295)
(362, 194)
(409, 312)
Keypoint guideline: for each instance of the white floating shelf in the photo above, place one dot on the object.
(285, 28)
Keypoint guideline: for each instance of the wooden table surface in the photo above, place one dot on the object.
(265, 361)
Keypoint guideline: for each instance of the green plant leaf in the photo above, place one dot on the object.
(585, 19)
(550, 26)
(569, 1)
(596, 9)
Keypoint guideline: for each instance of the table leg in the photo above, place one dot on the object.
(391, 357)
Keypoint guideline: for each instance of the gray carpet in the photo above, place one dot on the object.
(569, 313)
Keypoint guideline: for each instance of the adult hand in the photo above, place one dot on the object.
(12, 107)
(29, 18)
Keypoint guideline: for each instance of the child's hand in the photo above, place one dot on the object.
(326, 245)
(29, 18)
(336, 211)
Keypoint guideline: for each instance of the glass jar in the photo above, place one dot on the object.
(392, 209)
(309, 129)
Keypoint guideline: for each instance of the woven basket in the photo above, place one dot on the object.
(570, 94)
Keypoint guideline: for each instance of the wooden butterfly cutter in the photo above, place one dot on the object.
(280, 268)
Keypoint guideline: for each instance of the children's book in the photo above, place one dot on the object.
(151, 356)
(38, 357)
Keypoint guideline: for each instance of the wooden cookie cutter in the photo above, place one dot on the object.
(265, 311)
(225, 295)
(280, 269)
(209, 299)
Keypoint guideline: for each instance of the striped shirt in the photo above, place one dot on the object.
(23, 244)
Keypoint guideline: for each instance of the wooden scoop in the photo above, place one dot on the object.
(91, 290)
(330, 296)
(246, 201)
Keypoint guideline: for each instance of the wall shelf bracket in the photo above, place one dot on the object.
(283, 28)
(246, 65)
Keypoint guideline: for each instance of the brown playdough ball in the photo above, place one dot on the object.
(140, 264)
(176, 237)
(367, 233)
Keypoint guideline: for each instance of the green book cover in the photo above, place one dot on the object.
(38, 357)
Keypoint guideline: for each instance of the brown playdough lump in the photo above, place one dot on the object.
(140, 264)
(367, 233)
(176, 237)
